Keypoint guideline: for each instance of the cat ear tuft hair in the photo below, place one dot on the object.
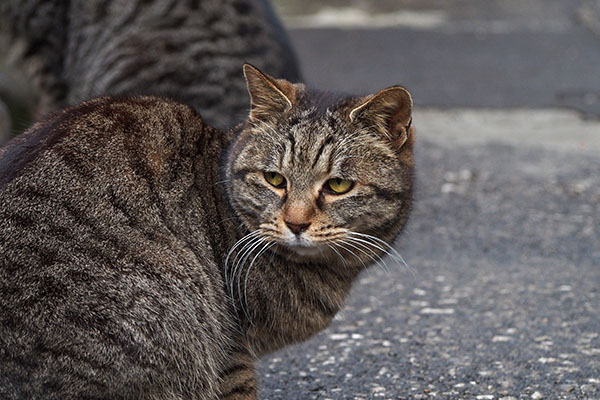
(268, 96)
(389, 112)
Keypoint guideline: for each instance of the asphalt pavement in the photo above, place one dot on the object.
(502, 297)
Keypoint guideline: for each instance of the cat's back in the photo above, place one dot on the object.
(105, 128)
(100, 289)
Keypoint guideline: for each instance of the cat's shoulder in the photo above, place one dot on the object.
(139, 122)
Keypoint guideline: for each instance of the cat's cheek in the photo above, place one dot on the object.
(344, 211)
(360, 218)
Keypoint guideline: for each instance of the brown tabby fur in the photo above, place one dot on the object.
(120, 277)
(65, 52)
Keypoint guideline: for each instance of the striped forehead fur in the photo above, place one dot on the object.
(318, 120)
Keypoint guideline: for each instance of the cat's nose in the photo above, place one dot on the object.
(296, 227)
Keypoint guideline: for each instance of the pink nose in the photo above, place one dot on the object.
(297, 228)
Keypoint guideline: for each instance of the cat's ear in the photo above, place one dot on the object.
(268, 96)
(389, 112)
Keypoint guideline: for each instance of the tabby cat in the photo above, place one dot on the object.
(147, 255)
(190, 50)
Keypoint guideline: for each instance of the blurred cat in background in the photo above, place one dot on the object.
(55, 53)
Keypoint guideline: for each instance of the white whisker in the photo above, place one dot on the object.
(266, 247)
(393, 253)
(377, 259)
(237, 261)
(331, 246)
(349, 251)
(239, 242)
(239, 266)
(349, 242)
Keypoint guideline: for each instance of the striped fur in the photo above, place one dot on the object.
(110, 287)
(308, 275)
(141, 257)
(70, 51)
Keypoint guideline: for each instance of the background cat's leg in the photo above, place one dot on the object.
(239, 377)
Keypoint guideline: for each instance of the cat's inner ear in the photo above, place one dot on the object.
(389, 112)
(269, 97)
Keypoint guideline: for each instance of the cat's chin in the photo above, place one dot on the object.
(306, 251)
(301, 252)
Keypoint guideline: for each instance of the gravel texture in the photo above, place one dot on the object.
(502, 297)
(503, 300)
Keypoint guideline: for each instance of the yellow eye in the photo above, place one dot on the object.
(339, 185)
(275, 179)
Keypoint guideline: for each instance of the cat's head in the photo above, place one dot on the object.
(319, 175)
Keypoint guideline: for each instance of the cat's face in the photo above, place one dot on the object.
(316, 175)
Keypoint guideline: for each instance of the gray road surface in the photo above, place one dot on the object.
(504, 240)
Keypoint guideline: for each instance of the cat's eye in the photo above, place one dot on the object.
(275, 179)
(339, 185)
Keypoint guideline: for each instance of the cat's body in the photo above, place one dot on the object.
(71, 51)
(124, 224)
(108, 275)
